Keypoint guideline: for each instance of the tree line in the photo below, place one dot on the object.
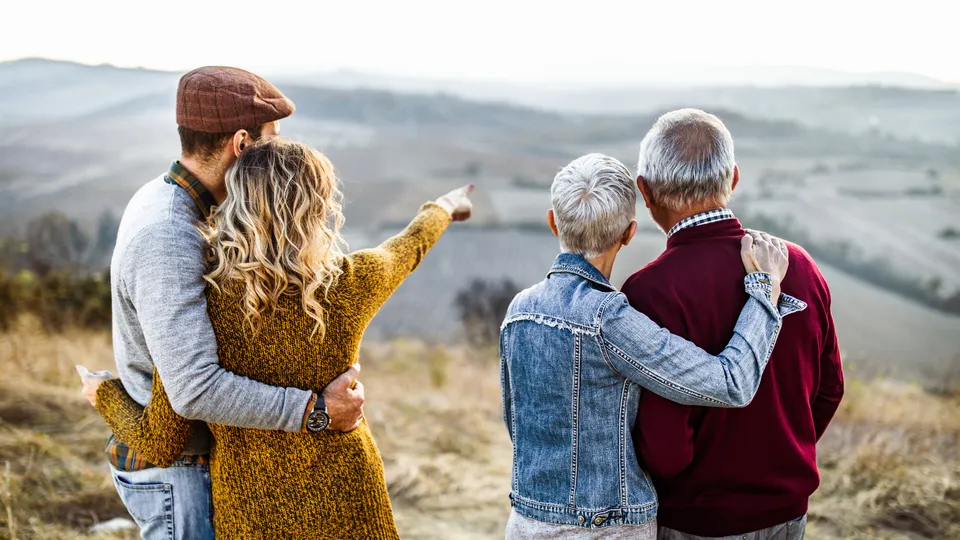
(57, 272)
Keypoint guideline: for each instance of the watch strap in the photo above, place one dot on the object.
(320, 405)
(311, 406)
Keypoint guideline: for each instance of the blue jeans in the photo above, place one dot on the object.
(791, 530)
(174, 503)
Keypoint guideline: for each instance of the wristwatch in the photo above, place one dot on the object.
(318, 419)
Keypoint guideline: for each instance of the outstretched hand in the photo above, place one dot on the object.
(761, 252)
(344, 400)
(91, 381)
(457, 203)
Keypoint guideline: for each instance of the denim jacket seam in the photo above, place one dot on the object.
(603, 353)
(508, 417)
(654, 375)
(598, 322)
(516, 472)
(543, 505)
(622, 442)
(551, 507)
(504, 383)
(513, 416)
(602, 341)
(575, 409)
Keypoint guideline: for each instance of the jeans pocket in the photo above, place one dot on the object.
(146, 502)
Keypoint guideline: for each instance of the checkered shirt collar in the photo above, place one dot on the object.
(710, 216)
(182, 177)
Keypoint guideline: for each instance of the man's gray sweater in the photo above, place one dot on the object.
(160, 319)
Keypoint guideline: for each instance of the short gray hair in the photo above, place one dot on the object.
(594, 200)
(687, 159)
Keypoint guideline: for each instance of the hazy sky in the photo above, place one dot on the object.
(596, 40)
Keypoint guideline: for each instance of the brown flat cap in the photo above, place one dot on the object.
(216, 99)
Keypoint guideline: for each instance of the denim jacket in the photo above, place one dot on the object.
(574, 356)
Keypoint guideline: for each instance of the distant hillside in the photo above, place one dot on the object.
(649, 77)
(903, 113)
(900, 105)
(36, 89)
(70, 127)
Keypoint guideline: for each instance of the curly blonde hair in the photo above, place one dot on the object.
(278, 231)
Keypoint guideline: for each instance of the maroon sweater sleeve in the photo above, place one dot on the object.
(830, 390)
(663, 433)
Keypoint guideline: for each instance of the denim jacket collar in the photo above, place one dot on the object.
(573, 263)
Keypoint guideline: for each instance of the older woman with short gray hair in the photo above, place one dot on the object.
(575, 356)
(594, 204)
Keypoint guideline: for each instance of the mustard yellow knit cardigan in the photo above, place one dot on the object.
(272, 484)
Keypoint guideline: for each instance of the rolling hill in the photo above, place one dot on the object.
(81, 139)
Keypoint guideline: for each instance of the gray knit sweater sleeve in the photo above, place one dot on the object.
(162, 277)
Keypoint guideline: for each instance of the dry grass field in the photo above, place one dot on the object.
(890, 462)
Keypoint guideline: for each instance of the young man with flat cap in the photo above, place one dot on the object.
(160, 312)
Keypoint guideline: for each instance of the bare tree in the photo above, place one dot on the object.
(482, 305)
(54, 241)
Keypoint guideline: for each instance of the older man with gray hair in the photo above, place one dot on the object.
(744, 473)
(575, 359)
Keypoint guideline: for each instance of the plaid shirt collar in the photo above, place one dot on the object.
(182, 177)
(710, 216)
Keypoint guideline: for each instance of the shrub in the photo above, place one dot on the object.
(46, 273)
(8, 310)
(58, 299)
(481, 306)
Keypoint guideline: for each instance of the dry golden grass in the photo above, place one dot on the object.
(890, 465)
(51, 438)
(889, 462)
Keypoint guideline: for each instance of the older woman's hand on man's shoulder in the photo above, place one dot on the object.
(761, 252)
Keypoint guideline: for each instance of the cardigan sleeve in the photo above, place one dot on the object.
(381, 270)
(156, 432)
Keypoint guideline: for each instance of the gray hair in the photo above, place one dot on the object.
(687, 159)
(594, 201)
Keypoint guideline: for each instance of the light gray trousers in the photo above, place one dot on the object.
(791, 530)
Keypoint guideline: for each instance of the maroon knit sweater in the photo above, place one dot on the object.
(722, 472)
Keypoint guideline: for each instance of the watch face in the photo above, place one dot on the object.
(318, 421)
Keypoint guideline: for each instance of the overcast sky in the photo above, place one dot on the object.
(597, 40)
